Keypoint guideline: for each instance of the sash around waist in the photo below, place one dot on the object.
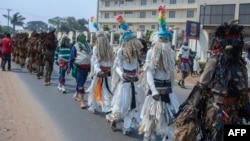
(162, 83)
(130, 72)
(105, 69)
(83, 66)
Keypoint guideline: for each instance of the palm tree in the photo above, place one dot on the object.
(16, 20)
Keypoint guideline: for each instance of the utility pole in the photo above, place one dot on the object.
(9, 18)
(97, 13)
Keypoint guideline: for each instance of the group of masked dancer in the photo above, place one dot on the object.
(134, 88)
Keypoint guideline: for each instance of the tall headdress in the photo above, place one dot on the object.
(127, 35)
(95, 25)
(94, 21)
(163, 31)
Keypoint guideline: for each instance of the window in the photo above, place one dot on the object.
(154, 1)
(191, 1)
(129, 0)
(121, 2)
(152, 26)
(106, 15)
(107, 3)
(114, 26)
(244, 13)
(172, 1)
(153, 13)
(128, 12)
(142, 27)
(190, 14)
(217, 14)
(171, 14)
(142, 14)
(143, 2)
(116, 2)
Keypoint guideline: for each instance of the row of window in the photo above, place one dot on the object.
(144, 2)
(171, 14)
(153, 27)
(218, 14)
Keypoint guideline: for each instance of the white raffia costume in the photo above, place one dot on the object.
(100, 93)
(159, 77)
(126, 64)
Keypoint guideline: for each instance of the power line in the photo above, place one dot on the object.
(26, 13)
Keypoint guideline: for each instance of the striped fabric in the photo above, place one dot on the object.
(62, 53)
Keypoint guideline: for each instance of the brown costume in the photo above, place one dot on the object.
(220, 97)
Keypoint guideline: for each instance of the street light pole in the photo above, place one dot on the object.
(9, 18)
(204, 9)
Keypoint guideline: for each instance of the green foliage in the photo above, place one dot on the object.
(116, 37)
(68, 24)
(16, 20)
(106, 28)
(148, 34)
(38, 26)
(202, 65)
(5, 29)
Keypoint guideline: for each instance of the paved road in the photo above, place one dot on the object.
(76, 124)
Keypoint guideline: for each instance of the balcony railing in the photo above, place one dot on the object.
(147, 20)
(147, 7)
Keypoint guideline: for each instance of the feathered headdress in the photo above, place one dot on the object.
(121, 21)
(95, 24)
(127, 35)
(163, 31)
(230, 35)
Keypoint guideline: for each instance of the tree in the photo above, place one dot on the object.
(4, 29)
(69, 24)
(55, 22)
(16, 20)
(148, 34)
(106, 28)
(81, 25)
(38, 26)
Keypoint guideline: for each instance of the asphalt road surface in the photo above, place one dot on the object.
(74, 123)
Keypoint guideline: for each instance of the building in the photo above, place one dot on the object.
(141, 15)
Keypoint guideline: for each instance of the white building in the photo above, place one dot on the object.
(142, 15)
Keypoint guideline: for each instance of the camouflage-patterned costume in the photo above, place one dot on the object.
(49, 47)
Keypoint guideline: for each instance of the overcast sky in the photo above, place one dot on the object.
(42, 10)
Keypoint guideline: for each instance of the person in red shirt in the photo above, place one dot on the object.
(6, 44)
(1, 38)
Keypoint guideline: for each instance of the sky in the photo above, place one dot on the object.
(42, 10)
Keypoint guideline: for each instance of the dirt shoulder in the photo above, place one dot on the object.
(21, 118)
(190, 79)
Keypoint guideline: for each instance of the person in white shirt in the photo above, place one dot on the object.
(184, 63)
(196, 65)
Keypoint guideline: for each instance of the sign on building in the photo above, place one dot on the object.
(193, 30)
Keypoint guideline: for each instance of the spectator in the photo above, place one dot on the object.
(184, 63)
(1, 38)
(191, 61)
(6, 44)
(196, 65)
